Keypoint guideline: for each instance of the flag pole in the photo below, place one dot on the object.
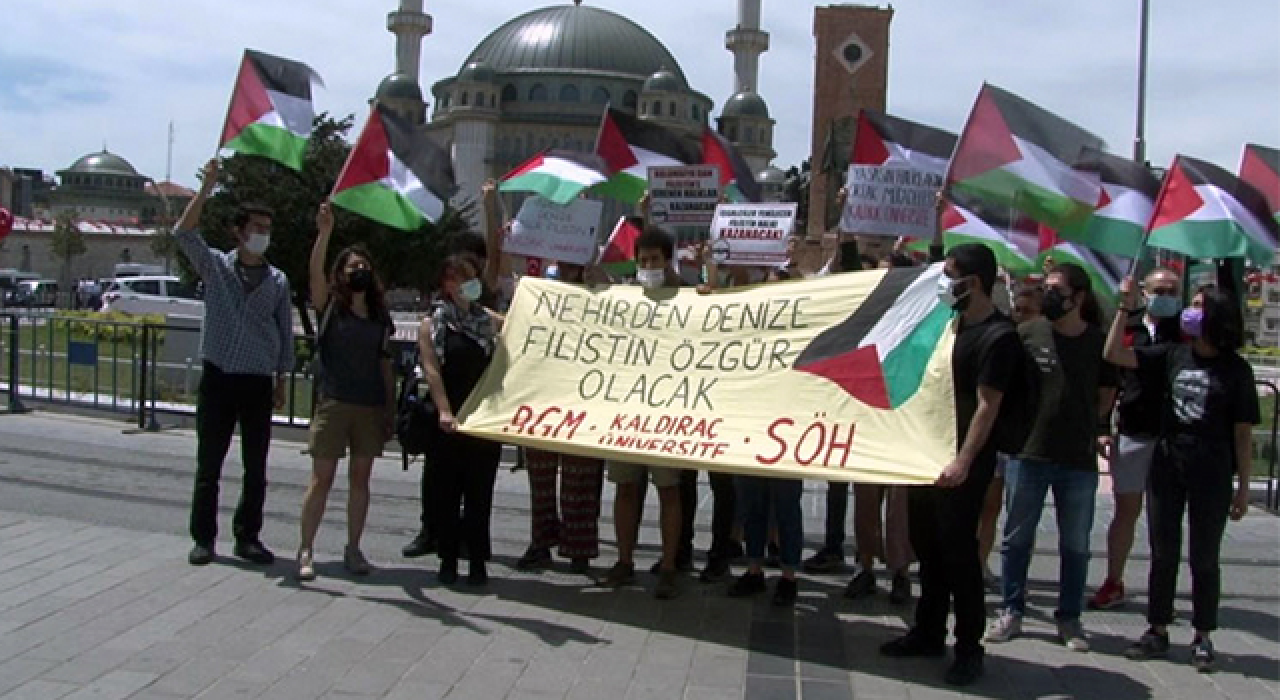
(1139, 141)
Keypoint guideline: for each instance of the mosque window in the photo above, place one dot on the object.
(733, 134)
(538, 93)
(445, 102)
(751, 134)
(672, 109)
(519, 147)
(465, 99)
(695, 113)
(569, 93)
(644, 108)
(599, 96)
(125, 255)
(510, 94)
(629, 99)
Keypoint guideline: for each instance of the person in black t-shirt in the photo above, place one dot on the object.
(943, 518)
(1207, 429)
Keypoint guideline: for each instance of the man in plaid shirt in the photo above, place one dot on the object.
(247, 349)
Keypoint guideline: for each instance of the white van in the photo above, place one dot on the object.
(152, 294)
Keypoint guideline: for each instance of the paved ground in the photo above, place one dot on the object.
(96, 601)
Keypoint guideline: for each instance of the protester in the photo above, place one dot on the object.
(1074, 389)
(356, 397)
(943, 518)
(1207, 429)
(574, 529)
(1140, 407)
(456, 342)
(655, 250)
(247, 350)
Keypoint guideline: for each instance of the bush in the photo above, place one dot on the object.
(108, 327)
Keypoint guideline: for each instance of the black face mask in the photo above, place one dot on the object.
(963, 293)
(360, 280)
(1054, 305)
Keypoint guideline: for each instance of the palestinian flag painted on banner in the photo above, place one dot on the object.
(882, 139)
(1105, 271)
(1260, 167)
(1125, 202)
(1014, 239)
(619, 254)
(630, 146)
(395, 175)
(1206, 212)
(270, 114)
(559, 176)
(1013, 153)
(736, 178)
(879, 354)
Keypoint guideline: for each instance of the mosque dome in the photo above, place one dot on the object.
(771, 176)
(103, 163)
(663, 81)
(399, 86)
(746, 104)
(477, 72)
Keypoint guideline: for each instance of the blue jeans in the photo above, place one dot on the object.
(1074, 490)
(755, 496)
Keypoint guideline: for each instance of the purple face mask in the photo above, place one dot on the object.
(1192, 320)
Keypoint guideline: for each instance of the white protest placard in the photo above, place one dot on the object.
(566, 233)
(891, 200)
(752, 234)
(684, 195)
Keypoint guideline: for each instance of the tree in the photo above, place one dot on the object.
(65, 244)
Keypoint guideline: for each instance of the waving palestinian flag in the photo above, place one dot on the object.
(270, 114)
(882, 139)
(1105, 271)
(1260, 167)
(1125, 203)
(619, 254)
(879, 354)
(395, 175)
(1014, 239)
(736, 179)
(1013, 153)
(1206, 212)
(630, 146)
(559, 176)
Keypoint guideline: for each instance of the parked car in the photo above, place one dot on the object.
(152, 294)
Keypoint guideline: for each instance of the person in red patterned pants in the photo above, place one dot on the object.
(575, 527)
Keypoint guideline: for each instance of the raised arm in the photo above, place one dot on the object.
(1116, 352)
(185, 231)
(317, 280)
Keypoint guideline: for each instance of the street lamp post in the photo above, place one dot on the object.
(1139, 141)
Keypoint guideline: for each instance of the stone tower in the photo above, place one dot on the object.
(409, 24)
(745, 120)
(747, 42)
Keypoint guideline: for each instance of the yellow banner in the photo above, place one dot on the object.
(846, 377)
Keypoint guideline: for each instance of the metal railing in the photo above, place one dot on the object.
(1268, 451)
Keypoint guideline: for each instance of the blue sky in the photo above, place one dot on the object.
(77, 73)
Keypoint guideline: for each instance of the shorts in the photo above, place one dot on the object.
(632, 473)
(1131, 459)
(337, 425)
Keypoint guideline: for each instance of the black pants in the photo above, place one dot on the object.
(227, 399)
(428, 518)
(837, 512)
(1192, 476)
(943, 528)
(463, 470)
(724, 499)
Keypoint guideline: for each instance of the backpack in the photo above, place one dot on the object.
(417, 419)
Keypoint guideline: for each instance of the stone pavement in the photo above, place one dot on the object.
(97, 601)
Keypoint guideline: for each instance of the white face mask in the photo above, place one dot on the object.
(258, 243)
(651, 279)
(471, 289)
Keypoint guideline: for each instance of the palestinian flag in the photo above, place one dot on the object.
(395, 175)
(1206, 212)
(879, 354)
(1013, 153)
(736, 179)
(1013, 239)
(1105, 271)
(630, 146)
(882, 139)
(6, 222)
(270, 114)
(1260, 167)
(559, 176)
(1125, 203)
(619, 253)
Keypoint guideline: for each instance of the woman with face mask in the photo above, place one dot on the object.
(355, 406)
(1206, 434)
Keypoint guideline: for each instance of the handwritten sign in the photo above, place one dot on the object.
(544, 229)
(752, 234)
(684, 195)
(891, 200)
(774, 380)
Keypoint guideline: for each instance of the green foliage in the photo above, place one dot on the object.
(67, 241)
(115, 326)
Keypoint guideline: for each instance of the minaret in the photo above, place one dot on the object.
(409, 24)
(747, 42)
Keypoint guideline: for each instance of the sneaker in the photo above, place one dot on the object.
(580, 565)
(966, 670)
(747, 584)
(306, 568)
(1005, 627)
(253, 551)
(448, 572)
(478, 574)
(618, 575)
(200, 555)
(825, 561)
(717, 570)
(900, 592)
(1151, 645)
(421, 545)
(1202, 656)
(912, 645)
(1110, 595)
(861, 585)
(785, 592)
(534, 558)
(668, 586)
(354, 561)
(1071, 632)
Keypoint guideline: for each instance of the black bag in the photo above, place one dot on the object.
(417, 419)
